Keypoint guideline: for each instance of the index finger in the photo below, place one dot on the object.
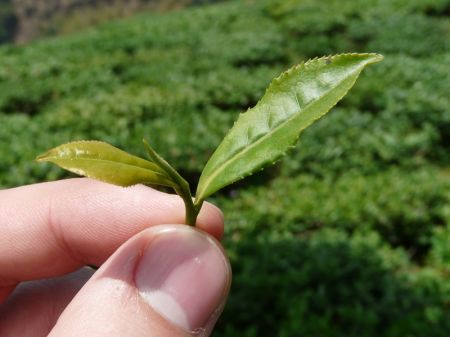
(51, 229)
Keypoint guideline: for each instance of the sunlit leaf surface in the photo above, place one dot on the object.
(107, 163)
(292, 102)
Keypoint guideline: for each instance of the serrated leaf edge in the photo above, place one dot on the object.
(279, 78)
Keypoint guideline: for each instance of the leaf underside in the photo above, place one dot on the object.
(107, 163)
(291, 103)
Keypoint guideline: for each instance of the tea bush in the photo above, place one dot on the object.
(330, 284)
(403, 208)
(349, 234)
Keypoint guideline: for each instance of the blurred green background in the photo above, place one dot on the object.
(348, 236)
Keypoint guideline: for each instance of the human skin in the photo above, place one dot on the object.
(157, 278)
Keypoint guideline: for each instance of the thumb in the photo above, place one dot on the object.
(167, 281)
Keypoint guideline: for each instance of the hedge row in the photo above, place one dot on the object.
(404, 208)
(331, 284)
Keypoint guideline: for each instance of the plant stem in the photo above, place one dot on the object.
(181, 186)
(191, 211)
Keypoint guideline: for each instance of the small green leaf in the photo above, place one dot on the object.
(181, 187)
(107, 163)
(164, 165)
(292, 102)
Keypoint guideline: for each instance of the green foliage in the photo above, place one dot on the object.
(440, 249)
(292, 102)
(357, 244)
(262, 135)
(404, 209)
(406, 27)
(107, 163)
(330, 284)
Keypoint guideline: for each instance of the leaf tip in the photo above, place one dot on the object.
(374, 57)
(42, 157)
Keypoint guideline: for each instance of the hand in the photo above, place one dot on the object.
(154, 280)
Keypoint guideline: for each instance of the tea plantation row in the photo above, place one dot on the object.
(347, 236)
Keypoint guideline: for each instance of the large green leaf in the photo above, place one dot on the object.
(105, 162)
(292, 102)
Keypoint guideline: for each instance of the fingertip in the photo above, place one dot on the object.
(79, 221)
(151, 286)
(211, 220)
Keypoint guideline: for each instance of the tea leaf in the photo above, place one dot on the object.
(181, 185)
(107, 163)
(291, 103)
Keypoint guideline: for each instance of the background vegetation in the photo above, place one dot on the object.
(349, 236)
(26, 20)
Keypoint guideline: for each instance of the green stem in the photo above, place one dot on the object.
(198, 204)
(191, 211)
(181, 186)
